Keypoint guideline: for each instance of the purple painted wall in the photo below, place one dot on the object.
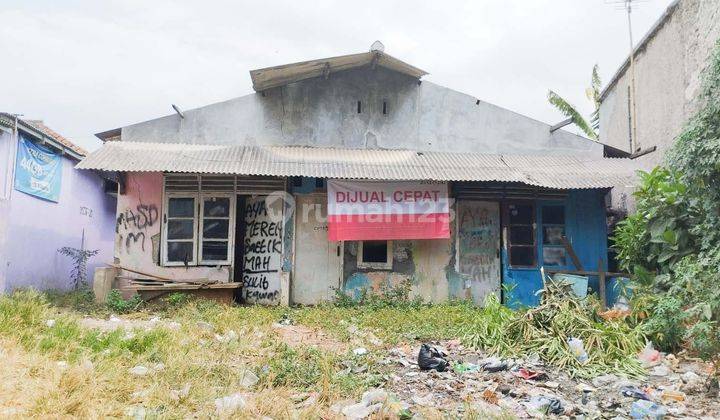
(35, 229)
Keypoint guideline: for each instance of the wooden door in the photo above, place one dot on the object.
(318, 262)
(478, 248)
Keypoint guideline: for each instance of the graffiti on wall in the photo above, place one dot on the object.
(263, 254)
(478, 246)
(131, 226)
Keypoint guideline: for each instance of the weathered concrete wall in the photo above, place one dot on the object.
(137, 231)
(32, 229)
(319, 112)
(422, 262)
(668, 71)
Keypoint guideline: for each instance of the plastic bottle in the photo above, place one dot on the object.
(578, 349)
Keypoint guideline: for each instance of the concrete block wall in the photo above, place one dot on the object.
(668, 76)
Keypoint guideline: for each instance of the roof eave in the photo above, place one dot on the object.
(271, 77)
(109, 135)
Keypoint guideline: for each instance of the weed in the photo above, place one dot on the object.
(79, 257)
(116, 302)
(177, 298)
(398, 296)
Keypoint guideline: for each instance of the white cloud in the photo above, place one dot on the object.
(86, 66)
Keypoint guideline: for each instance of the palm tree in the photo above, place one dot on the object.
(566, 108)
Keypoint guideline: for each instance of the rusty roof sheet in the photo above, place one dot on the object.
(562, 172)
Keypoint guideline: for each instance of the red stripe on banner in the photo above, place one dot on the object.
(364, 227)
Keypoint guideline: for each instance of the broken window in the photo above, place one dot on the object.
(520, 223)
(553, 231)
(375, 254)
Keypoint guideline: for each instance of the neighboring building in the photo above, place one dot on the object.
(377, 162)
(669, 62)
(45, 204)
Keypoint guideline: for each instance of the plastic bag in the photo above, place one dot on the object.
(545, 405)
(578, 349)
(430, 357)
(649, 356)
(643, 409)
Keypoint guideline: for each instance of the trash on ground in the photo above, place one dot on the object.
(643, 409)
(530, 374)
(430, 357)
(465, 367)
(634, 392)
(226, 406)
(360, 351)
(578, 349)
(545, 405)
(649, 356)
(494, 365)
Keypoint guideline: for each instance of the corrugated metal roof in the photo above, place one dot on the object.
(564, 172)
(271, 77)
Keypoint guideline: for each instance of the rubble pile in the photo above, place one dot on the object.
(527, 387)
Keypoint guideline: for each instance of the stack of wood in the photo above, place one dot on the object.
(139, 280)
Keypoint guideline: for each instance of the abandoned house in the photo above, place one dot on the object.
(354, 173)
(46, 204)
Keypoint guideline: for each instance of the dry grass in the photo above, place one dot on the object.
(79, 366)
(68, 370)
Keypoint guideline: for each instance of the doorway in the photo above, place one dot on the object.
(478, 245)
(239, 255)
(318, 262)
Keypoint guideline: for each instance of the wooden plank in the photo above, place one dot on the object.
(571, 253)
(601, 278)
(164, 279)
(589, 273)
(179, 286)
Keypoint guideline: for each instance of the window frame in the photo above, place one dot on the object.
(507, 228)
(198, 224)
(541, 230)
(231, 229)
(375, 265)
(166, 219)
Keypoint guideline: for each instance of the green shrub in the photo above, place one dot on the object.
(177, 298)
(397, 296)
(117, 304)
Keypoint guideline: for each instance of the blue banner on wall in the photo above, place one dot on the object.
(38, 171)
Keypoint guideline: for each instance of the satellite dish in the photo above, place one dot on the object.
(377, 46)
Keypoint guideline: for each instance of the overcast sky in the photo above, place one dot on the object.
(85, 66)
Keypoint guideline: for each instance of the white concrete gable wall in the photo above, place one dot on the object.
(323, 112)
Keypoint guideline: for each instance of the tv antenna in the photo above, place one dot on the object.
(628, 6)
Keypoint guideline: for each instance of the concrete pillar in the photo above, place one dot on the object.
(284, 288)
(103, 282)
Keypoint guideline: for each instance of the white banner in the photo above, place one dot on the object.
(387, 197)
